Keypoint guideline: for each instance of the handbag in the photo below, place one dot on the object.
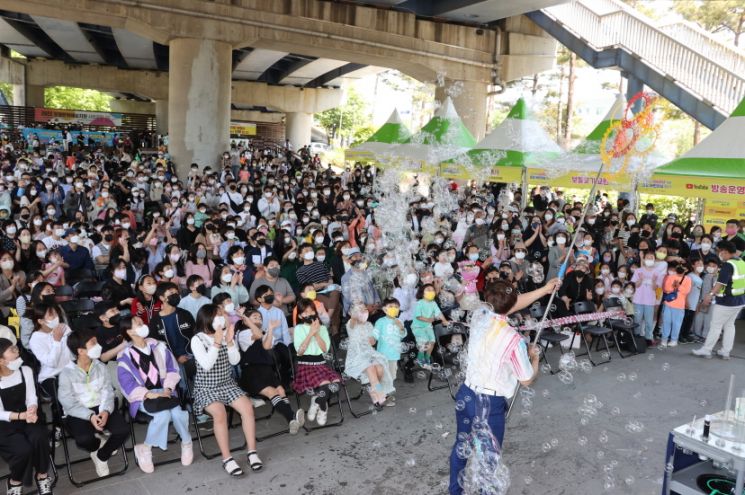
(161, 404)
(671, 296)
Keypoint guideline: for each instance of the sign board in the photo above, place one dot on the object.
(242, 129)
(107, 119)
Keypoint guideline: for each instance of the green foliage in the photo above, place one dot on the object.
(682, 207)
(77, 99)
(7, 90)
(722, 15)
(343, 122)
(362, 134)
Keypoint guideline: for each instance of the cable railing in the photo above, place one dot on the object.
(687, 55)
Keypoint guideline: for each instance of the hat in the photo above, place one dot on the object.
(71, 231)
(353, 250)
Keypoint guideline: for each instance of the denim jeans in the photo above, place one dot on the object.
(157, 429)
(672, 320)
(644, 317)
(495, 420)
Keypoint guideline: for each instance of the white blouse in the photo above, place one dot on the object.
(11, 381)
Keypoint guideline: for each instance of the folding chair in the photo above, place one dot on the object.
(329, 404)
(77, 307)
(625, 329)
(339, 363)
(454, 328)
(59, 422)
(63, 293)
(585, 307)
(81, 274)
(548, 336)
(258, 402)
(88, 288)
(142, 418)
(200, 438)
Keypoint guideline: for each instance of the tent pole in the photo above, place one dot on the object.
(525, 192)
(700, 206)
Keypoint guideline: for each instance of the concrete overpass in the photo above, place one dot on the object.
(201, 56)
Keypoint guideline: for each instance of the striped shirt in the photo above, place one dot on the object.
(313, 273)
(498, 357)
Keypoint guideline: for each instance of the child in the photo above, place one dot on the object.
(53, 269)
(647, 279)
(388, 333)
(676, 287)
(313, 375)
(405, 294)
(469, 271)
(628, 299)
(309, 292)
(426, 312)
(702, 321)
(258, 373)
(215, 353)
(363, 362)
(197, 296)
(695, 275)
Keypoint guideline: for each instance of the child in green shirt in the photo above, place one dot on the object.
(426, 311)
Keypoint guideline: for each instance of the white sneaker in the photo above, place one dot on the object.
(723, 355)
(702, 353)
(672, 343)
(321, 418)
(313, 409)
(144, 457)
(662, 344)
(298, 422)
(187, 453)
(102, 467)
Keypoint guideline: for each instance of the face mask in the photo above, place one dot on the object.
(41, 254)
(615, 290)
(273, 272)
(649, 263)
(590, 221)
(173, 300)
(605, 271)
(671, 272)
(168, 273)
(705, 246)
(479, 221)
(319, 240)
(699, 269)
(308, 256)
(548, 217)
(321, 258)
(95, 351)
(142, 331)
(292, 255)
(52, 323)
(500, 237)
(561, 241)
(731, 230)
(429, 295)
(473, 256)
(711, 269)
(226, 278)
(391, 312)
(218, 323)
(120, 273)
(230, 236)
(630, 222)
(15, 365)
(7, 265)
(149, 289)
(660, 256)
(269, 299)
(59, 232)
(622, 275)
(239, 260)
(519, 255)
(175, 257)
(561, 220)
(600, 291)
(37, 221)
(229, 308)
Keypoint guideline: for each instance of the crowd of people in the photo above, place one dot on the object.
(239, 279)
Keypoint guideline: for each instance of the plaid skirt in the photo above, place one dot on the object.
(310, 376)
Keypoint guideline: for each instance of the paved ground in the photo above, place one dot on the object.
(404, 450)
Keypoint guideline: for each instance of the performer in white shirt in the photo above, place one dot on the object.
(498, 358)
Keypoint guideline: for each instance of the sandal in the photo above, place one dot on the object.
(254, 461)
(232, 467)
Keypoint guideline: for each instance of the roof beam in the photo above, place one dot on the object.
(284, 67)
(326, 78)
(239, 56)
(26, 26)
(102, 40)
(161, 56)
(434, 8)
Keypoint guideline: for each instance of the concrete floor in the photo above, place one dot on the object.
(404, 450)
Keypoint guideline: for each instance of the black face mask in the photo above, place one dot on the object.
(261, 241)
(108, 238)
(48, 298)
(202, 289)
(309, 319)
(173, 300)
(269, 299)
(114, 320)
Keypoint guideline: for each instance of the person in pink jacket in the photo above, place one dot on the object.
(675, 289)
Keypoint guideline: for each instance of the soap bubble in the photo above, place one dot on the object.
(412, 410)
(545, 393)
(605, 355)
(633, 376)
(673, 413)
(669, 467)
(460, 405)
(650, 356)
(568, 361)
(703, 403)
(554, 442)
(467, 398)
(333, 387)
(629, 480)
(615, 411)
(665, 366)
(528, 480)
(637, 395)
(621, 377)
(545, 368)
(585, 365)
(546, 447)
(376, 444)
(582, 441)
(603, 438)
(411, 462)
(421, 375)
(634, 426)
(438, 425)
(565, 377)
(428, 413)
(600, 454)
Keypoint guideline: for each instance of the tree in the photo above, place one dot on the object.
(341, 123)
(7, 90)
(77, 99)
(722, 15)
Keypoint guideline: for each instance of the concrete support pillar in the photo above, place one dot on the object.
(34, 96)
(161, 116)
(198, 101)
(470, 99)
(298, 128)
(19, 95)
(634, 86)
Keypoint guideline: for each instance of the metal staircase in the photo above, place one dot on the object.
(702, 76)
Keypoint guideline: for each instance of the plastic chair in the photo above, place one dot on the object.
(78, 307)
(597, 332)
(339, 366)
(330, 403)
(63, 293)
(548, 337)
(143, 419)
(74, 276)
(624, 328)
(88, 288)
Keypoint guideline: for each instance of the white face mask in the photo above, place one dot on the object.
(615, 290)
(705, 246)
(175, 257)
(605, 271)
(520, 255)
(229, 308)
(239, 260)
(600, 291)
(649, 263)
(500, 237)
(218, 323)
(142, 331)
(95, 351)
(621, 275)
(548, 217)
(308, 255)
(168, 273)
(479, 221)
(15, 365)
(321, 258)
(120, 273)
(561, 241)
(52, 323)
(41, 254)
(226, 278)
(711, 269)
(629, 293)
(699, 269)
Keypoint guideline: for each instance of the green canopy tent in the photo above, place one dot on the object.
(515, 144)
(392, 132)
(442, 138)
(713, 170)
